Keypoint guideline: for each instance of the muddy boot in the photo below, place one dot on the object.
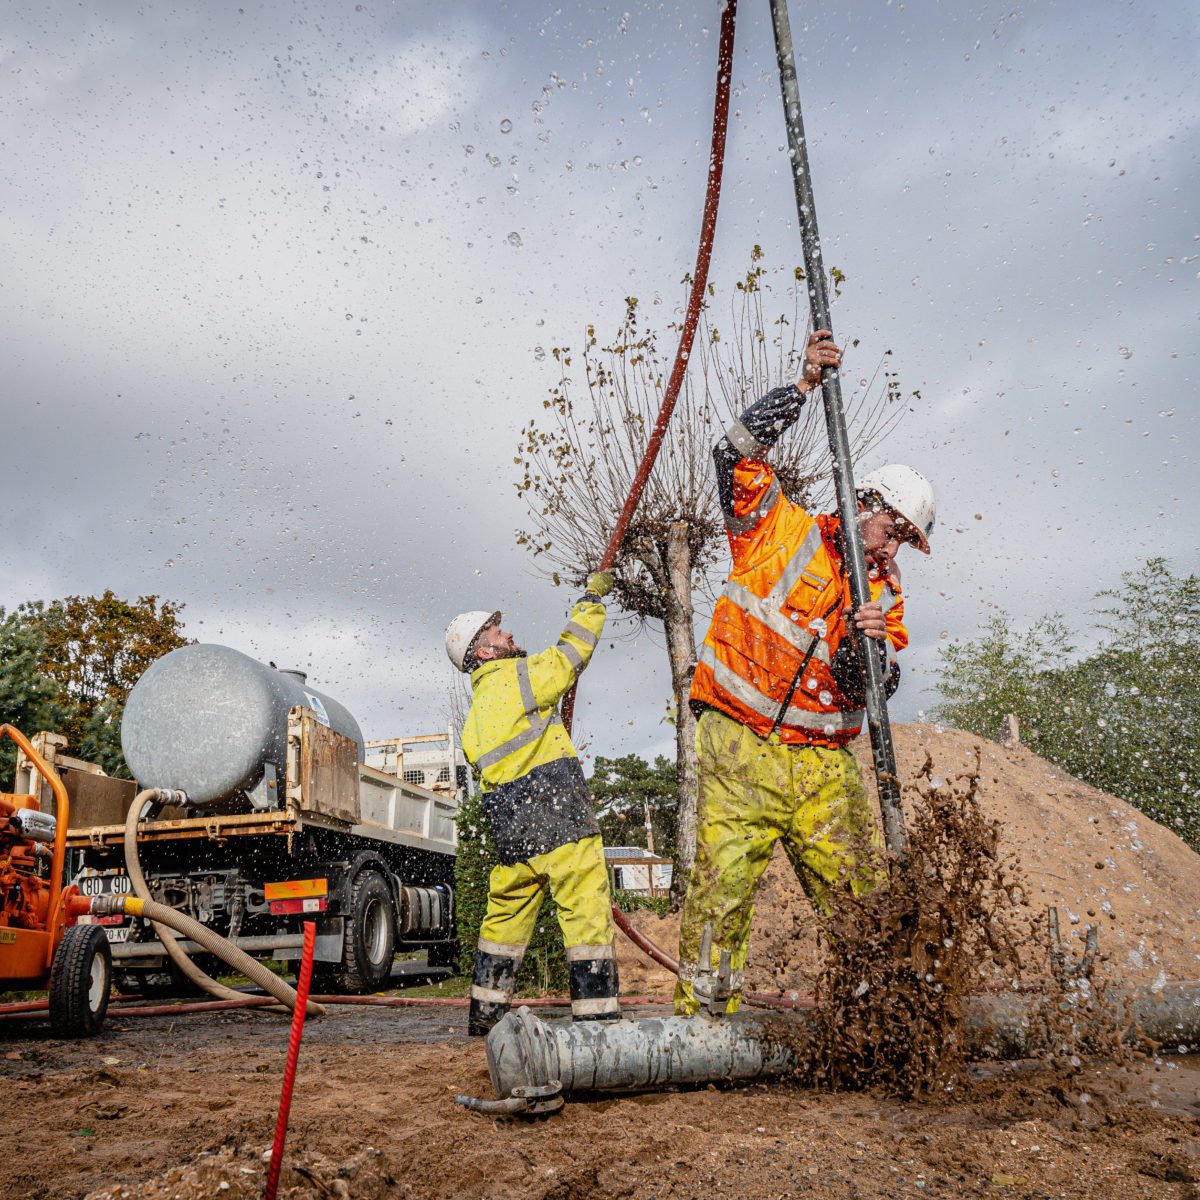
(492, 988)
(594, 985)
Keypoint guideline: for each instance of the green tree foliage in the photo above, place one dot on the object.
(27, 696)
(1124, 716)
(622, 788)
(84, 653)
(544, 970)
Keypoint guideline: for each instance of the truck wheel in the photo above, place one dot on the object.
(369, 944)
(79, 982)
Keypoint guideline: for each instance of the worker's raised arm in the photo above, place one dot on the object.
(553, 671)
(746, 484)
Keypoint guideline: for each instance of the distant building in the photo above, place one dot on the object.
(430, 760)
(636, 869)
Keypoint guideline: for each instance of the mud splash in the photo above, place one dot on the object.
(900, 963)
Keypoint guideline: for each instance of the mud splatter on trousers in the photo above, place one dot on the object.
(754, 792)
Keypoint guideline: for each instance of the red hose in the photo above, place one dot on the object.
(36, 1008)
(708, 226)
(293, 1054)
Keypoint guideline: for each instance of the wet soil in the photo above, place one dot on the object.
(184, 1107)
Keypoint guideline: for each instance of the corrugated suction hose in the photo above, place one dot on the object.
(166, 920)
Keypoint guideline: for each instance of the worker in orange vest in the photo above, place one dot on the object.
(780, 685)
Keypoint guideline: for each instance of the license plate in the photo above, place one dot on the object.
(106, 884)
(117, 933)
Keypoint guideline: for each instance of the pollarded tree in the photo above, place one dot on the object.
(577, 464)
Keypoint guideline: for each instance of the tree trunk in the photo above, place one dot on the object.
(681, 650)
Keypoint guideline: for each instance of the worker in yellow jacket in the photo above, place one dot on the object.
(780, 685)
(538, 808)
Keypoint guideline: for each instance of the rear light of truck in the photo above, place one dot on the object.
(297, 895)
(302, 904)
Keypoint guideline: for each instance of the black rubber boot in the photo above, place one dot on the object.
(492, 986)
(594, 989)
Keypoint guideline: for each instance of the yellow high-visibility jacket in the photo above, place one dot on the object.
(534, 792)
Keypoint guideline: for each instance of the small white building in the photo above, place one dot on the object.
(636, 869)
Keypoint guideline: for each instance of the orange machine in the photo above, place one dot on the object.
(40, 946)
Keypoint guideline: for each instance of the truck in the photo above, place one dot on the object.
(276, 820)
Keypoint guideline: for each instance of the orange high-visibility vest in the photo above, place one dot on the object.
(784, 606)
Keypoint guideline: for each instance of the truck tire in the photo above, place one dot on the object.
(369, 943)
(80, 981)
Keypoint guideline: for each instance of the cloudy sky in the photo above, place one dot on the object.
(279, 281)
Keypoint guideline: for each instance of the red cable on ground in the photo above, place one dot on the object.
(293, 1054)
(708, 228)
(39, 1008)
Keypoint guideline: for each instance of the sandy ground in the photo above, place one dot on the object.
(162, 1108)
(184, 1107)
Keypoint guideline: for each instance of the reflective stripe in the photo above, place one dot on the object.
(769, 609)
(589, 1008)
(573, 656)
(537, 723)
(523, 682)
(586, 636)
(796, 566)
(743, 441)
(740, 525)
(502, 949)
(800, 718)
(490, 995)
(588, 953)
(522, 739)
(791, 631)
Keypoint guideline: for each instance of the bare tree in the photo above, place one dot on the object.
(578, 462)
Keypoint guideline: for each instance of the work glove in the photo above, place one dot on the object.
(600, 583)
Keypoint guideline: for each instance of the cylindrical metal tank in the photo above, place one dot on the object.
(212, 722)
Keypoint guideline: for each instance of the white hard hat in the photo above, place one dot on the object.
(463, 630)
(907, 493)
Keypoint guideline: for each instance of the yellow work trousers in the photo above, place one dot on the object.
(576, 876)
(752, 793)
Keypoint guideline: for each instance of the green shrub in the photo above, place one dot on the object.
(637, 902)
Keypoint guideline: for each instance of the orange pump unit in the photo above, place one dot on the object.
(40, 946)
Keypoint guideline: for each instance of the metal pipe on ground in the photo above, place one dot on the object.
(526, 1055)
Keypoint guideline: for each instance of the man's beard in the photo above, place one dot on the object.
(515, 652)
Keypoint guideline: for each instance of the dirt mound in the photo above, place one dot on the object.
(1095, 857)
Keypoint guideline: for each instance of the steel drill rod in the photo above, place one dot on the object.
(882, 750)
